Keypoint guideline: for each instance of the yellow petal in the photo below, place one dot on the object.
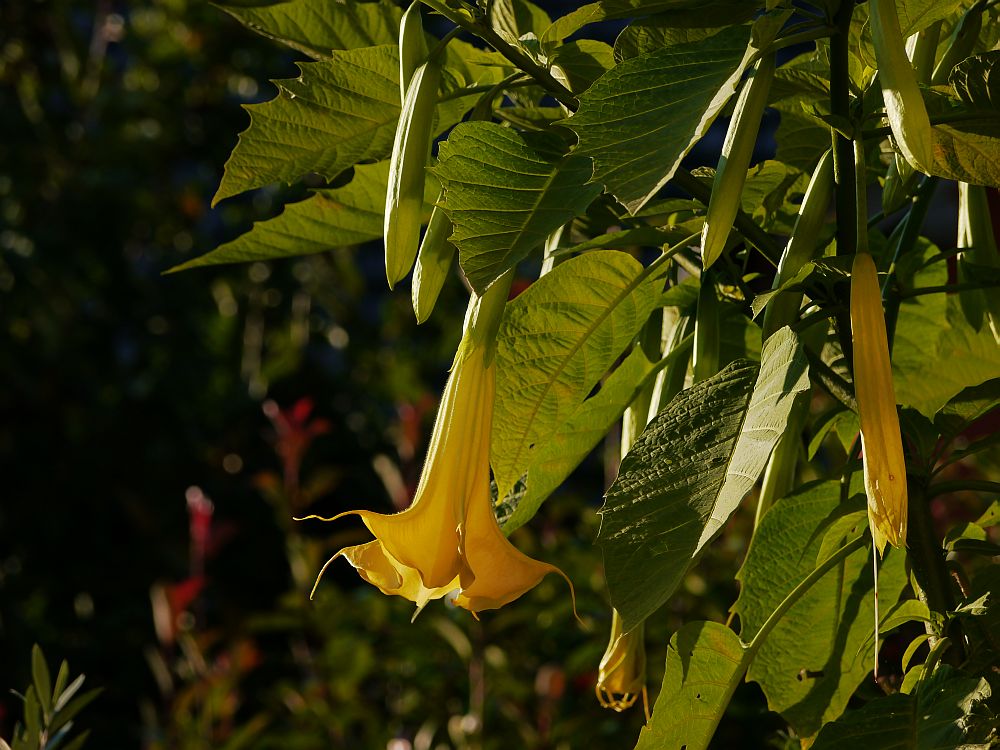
(882, 444)
(497, 572)
(621, 677)
(389, 575)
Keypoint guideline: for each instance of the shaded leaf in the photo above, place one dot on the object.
(977, 80)
(942, 715)
(676, 12)
(932, 329)
(642, 117)
(704, 666)
(690, 469)
(505, 192)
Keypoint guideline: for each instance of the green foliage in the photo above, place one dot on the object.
(557, 164)
(532, 187)
(688, 472)
(50, 709)
(637, 142)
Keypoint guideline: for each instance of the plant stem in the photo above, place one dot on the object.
(926, 557)
(835, 385)
(514, 55)
(942, 119)
(944, 289)
(800, 37)
(963, 485)
(845, 186)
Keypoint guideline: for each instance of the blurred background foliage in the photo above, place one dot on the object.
(157, 433)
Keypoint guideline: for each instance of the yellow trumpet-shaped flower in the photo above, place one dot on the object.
(881, 443)
(621, 677)
(449, 539)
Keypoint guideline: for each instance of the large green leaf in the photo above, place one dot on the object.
(689, 471)
(640, 118)
(561, 452)
(557, 340)
(337, 113)
(967, 153)
(329, 219)
(505, 192)
(948, 712)
(977, 81)
(932, 329)
(821, 650)
(317, 27)
(705, 661)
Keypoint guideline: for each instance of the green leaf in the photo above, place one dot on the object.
(330, 219)
(336, 113)
(42, 679)
(969, 406)
(704, 666)
(317, 27)
(642, 117)
(689, 471)
(800, 139)
(582, 62)
(582, 429)
(946, 712)
(651, 34)
(977, 81)
(32, 716)
(917, 15)
(679, 13)
(814, 659)
(932, 329)
(967, 153)
(72, 708)
(557, 340)
(505, 192)
(77, 742)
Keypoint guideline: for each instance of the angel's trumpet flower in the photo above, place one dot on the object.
(449, 539)
(881, 443)
(621, 677)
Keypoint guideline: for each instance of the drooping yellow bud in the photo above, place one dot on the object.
(881, 442)
(621, 678)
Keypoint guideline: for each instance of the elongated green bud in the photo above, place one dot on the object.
(881, 442)
(977, 240)
(706, 357)
(404, 199)
(737, 151)
(412, 46)
(433, 263)
(961, 43)
(904, 105)
(802, 246)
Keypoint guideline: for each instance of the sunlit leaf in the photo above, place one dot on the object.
(704, 666)
(505, 192)
(640, 119)
(556, 342)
